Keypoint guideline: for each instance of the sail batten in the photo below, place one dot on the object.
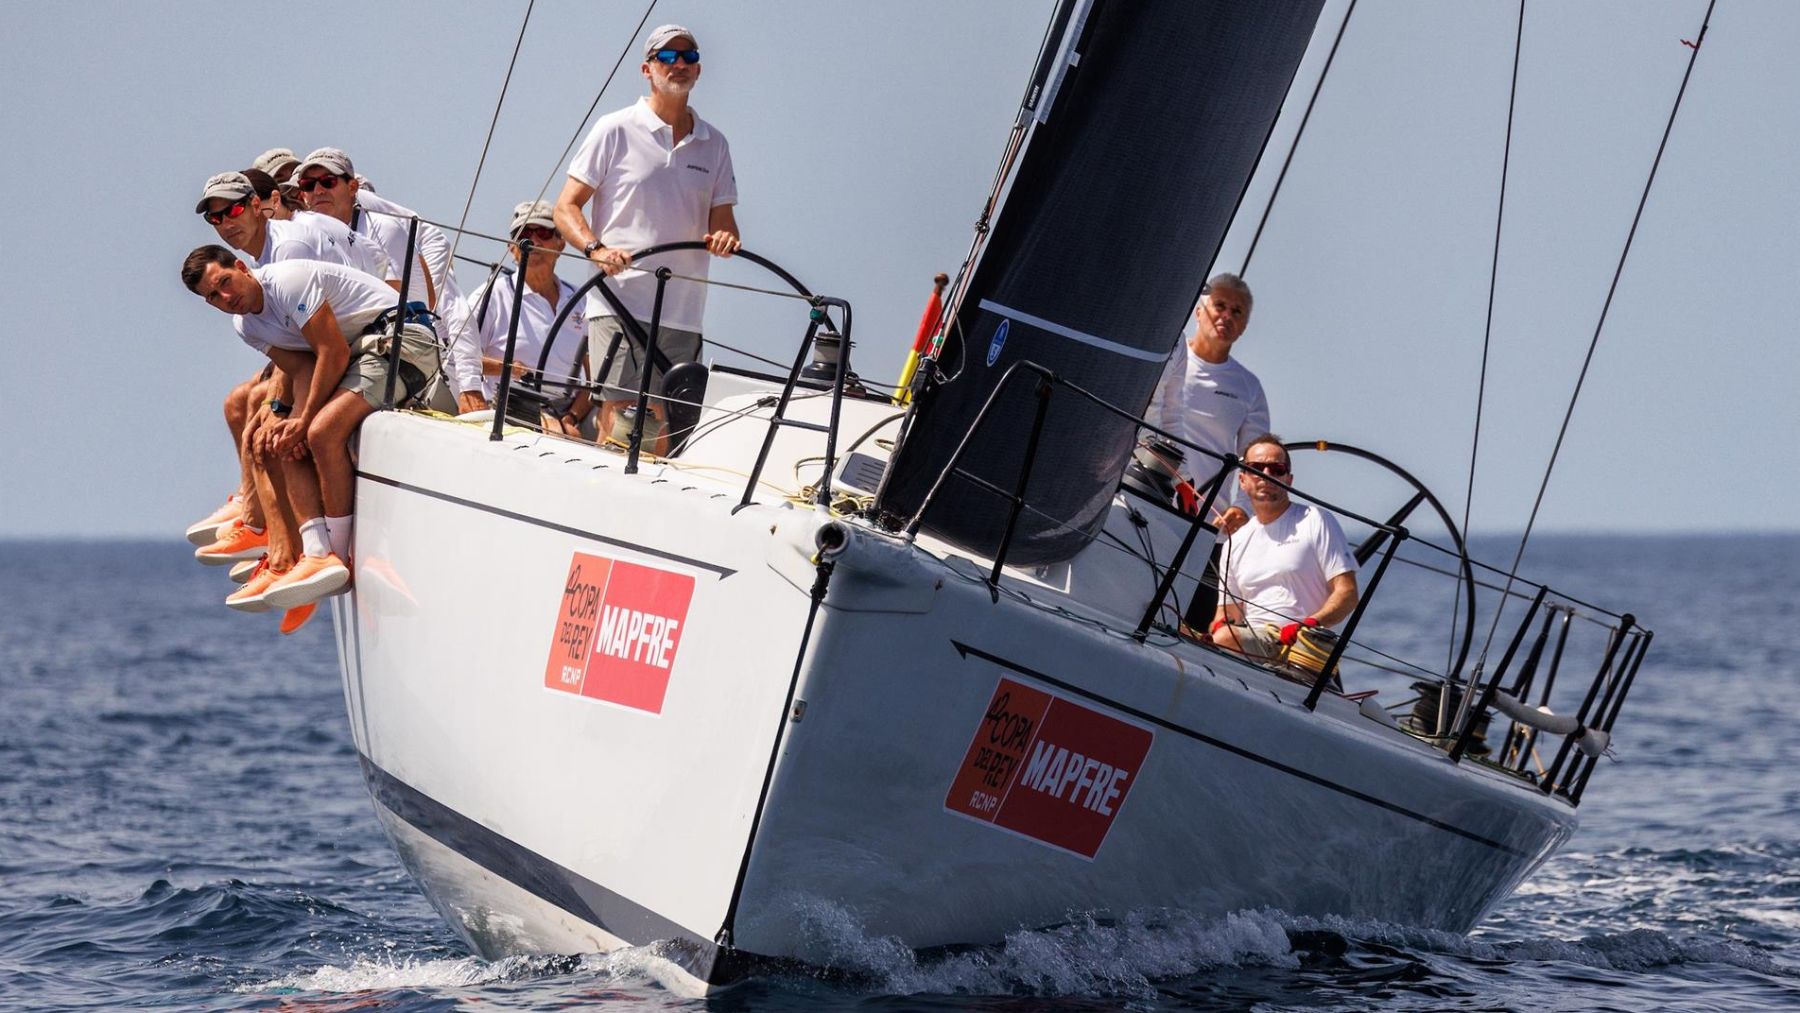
(1151, 124)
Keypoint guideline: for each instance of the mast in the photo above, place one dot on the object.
(1141, 131)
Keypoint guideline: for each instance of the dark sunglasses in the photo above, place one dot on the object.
(671, 55)
(232, 210)
(324, 182)
(1274, 469)
(538, 234)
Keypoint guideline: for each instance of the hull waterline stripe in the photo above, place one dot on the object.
(701, 564)
(965, 650)
(1071, 333)
(553, 883)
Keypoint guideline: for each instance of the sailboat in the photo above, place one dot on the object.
(894, 659)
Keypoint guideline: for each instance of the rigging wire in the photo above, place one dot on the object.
(1318, 86)
(1594, 341)
(631, 41)
(494, 122)
(1487, 334)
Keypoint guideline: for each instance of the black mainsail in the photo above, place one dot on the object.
(1156, 113)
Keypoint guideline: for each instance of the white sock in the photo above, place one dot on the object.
(314, 539)
(253, 529)
(339, 532)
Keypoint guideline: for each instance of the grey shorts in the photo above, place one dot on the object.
(420, 379)
(626, 374)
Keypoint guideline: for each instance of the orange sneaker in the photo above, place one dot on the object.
(312, 578)
(249, 598)
(235, 542)
(205, 531)
(297, 617)
(242, 570)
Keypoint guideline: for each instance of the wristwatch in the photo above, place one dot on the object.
(588, 250)
(279, 408)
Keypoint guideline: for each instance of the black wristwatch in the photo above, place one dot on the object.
(279, 408)
(588, 250)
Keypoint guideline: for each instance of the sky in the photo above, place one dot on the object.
(865, 137)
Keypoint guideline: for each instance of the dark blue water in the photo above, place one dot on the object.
(182, 825)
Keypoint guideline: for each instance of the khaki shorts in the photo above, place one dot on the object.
(1261, 642)
(626, 374)
(420, 381)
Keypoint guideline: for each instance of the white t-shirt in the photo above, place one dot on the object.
(1216, 405)
(535, 318)
(1281, 572)
(293, 290)
(649, 190)
(310, 236)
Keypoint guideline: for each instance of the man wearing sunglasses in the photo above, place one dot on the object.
(488, 312)
(242, 208)
(655, 173)
(327, 182)
(324, 325)
(1288, 567)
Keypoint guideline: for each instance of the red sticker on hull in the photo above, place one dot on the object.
(617, 631)
(1048, 768)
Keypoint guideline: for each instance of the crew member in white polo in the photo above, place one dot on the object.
(654, 172)
(242, 208)
(488, 310)
(305, 316)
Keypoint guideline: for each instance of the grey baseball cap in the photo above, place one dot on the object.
(532, 212)
(231, 186)
(330, 159)
(274, 160)
(663, 35)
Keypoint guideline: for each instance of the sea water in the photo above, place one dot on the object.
(183, 826)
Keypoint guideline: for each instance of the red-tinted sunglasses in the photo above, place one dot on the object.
(232, 210)
(538, 234)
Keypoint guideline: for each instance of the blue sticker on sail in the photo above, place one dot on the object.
(999, 340)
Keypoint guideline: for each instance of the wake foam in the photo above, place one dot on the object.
(1630, 950)
(1085, 958)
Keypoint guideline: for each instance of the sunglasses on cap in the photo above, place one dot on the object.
(671, 55)
(538, 234)
(321, 182)
(232, 210)
(1273, 469)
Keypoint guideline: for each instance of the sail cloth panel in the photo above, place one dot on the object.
(1120, 202)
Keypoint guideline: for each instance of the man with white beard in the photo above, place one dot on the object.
(655, 173)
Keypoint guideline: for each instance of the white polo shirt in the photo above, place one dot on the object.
(535, 318)
(434, 247)
(309, 236)
(293, 290)
(387, 237)
(649, 190)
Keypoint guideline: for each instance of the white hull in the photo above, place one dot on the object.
(803, 753)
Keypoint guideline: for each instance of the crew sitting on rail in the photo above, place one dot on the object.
(323, 324)
(1288, 567)
(487, 313)
(242, 208)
